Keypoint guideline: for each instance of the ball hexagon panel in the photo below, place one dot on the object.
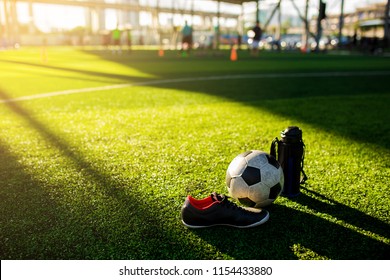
(258, 192)
(251, 175)
(275, 191)
(237, 166)
(271, 173)
(247, 202)
(256, 159)
(238, 188)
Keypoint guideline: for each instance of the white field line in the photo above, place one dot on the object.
(194, 79)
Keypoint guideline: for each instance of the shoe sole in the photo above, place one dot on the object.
(248, 226)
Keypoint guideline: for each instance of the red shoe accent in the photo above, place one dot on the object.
(201, 204)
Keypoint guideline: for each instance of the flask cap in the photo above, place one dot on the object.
(291, 134)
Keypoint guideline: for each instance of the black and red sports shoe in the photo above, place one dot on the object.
(218, 210)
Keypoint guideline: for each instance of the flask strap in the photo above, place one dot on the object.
(273, 147)
(302, 164)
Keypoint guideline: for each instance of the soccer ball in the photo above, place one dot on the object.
(255, 178)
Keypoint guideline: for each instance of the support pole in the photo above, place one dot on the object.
(1, 32)
(31, 24)
(6, 24)
(14, 26)
(101, 18)
(192, 13)
(241, 27)
(88, 19)
(341, 23)
(279, 37)
(175, 35)
(158, 22)
(307, 27)
(319, 26)
(218, 27)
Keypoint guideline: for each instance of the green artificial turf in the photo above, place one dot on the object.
(103, 174)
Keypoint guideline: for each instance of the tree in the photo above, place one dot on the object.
(387, 23)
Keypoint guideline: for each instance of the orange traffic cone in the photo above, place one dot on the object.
(161, 52)
(233, 54)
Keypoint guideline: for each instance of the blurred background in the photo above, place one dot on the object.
(303, 25)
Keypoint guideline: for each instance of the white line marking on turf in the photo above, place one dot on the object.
(194, 79)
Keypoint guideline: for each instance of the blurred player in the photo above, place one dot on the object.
(186, 37)
(257, 32)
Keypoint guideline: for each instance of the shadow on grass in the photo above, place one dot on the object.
(291, 234)
(350, 107)
(100, 74)
(23, 221)
(38, 224)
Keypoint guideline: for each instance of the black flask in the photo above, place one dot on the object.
(290, 155)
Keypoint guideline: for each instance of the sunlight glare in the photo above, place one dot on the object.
(52, 17)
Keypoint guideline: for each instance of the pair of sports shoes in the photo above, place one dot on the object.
(216, 209)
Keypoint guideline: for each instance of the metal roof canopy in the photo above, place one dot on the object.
(238, 2)
(128, 6)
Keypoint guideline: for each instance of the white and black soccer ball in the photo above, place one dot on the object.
(255, 178)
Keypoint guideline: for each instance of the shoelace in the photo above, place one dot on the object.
(224, 200)
(228, 204)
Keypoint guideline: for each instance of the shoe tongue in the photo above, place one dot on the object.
(217, 197)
